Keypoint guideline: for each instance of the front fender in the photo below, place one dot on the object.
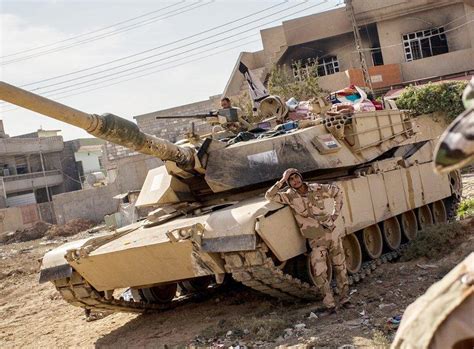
(54, 266)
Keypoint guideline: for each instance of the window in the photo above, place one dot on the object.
(328, 66)
(324, 66)
(425, 43)
(377, 58)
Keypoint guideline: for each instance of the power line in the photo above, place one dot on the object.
(160, 70)
(168, 68)
(58, 96)
(180, 47)
(114, 76)
(305, 9)
(91, 32)
(154, 48)
(172, 13)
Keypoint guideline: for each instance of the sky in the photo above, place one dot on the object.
(52, 47)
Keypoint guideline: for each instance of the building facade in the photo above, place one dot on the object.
(31, 169)
(404, 42)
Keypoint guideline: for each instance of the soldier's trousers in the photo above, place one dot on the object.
(322, 249)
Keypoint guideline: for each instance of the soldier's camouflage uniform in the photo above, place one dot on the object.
(316, 224)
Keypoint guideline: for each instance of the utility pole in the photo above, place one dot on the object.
(358, 42)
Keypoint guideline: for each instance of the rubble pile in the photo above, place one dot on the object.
(43, 229)
(37, 231)
(70, 228)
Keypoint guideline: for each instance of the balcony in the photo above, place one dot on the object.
(30, 181)
(440, 65)
(21, 146)
(381, 76)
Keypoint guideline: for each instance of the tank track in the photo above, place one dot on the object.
(257, 271)
(78, 292)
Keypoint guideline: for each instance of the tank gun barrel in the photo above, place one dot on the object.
(107, 126)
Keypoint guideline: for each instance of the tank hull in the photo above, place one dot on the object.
(187, 248)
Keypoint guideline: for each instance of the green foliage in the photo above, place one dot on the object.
(283, 83)
(466, 209)
(436, 241)
(444, 97)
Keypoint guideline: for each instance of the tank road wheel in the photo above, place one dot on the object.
(196, 285)
(352, 252)
(372, 241)
(392, 234)
(159, 294)
(439, 212)
(425, 218)
(409, 224)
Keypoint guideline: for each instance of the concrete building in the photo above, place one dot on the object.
(88, 154)
(31, 168)
(126, 171)
(404, 42)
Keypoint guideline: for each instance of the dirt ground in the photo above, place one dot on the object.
(34, 315)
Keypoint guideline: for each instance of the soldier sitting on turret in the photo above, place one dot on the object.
(315, 223)
(241, 124)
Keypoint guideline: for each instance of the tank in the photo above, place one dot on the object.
(211, 220)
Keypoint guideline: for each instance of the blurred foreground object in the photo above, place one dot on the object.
(443, 316)
(456, 146)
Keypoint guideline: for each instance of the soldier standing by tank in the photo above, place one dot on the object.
(307, 203)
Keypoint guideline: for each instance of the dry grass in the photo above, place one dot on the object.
(437, 240)
(380, 340)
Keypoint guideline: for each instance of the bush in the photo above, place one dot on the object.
(466, 209)
(444, 97)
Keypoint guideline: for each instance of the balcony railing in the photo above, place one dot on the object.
(31, 181)
(31, 175)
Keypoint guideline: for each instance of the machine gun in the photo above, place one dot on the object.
(220, 116)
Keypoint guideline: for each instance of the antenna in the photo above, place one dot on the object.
(358, 42)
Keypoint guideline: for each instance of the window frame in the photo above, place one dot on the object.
(413, 46)
(329, 65)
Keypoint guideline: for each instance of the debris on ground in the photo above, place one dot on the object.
(51, 231)
(70, 228)
(37, 231)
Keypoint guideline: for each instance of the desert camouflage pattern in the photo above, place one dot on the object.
(310, 213)
(329, 247)
(318, 225)
(456, 146)
(443, 316)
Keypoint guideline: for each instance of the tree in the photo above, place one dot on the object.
(303, 84)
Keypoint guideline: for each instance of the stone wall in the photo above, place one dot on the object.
(125, 172)
(92, 204)
(174, 129)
